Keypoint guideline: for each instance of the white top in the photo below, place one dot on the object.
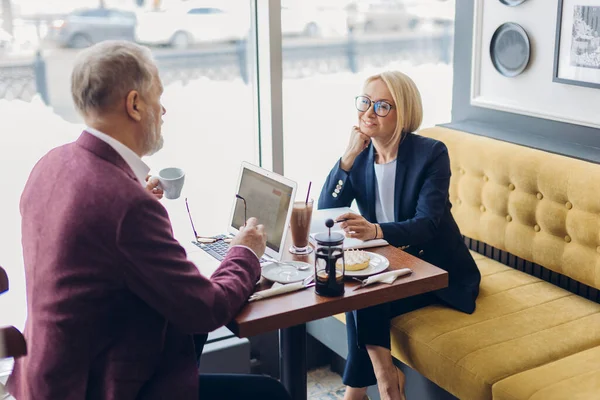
(139, 168)
(385, 177)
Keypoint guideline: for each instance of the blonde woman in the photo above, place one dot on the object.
(400, 181)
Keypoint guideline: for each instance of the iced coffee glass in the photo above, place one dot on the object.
(300, 226)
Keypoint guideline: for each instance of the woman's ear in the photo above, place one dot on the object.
(133, 105)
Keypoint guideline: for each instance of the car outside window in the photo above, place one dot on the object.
(204, 11)
(93, 13)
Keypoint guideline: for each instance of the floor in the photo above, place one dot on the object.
(323, 384)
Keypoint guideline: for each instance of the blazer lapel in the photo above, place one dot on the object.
(370, 183)
(104, 151)
(402, 161)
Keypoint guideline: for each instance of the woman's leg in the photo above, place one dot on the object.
(386, 373)
(369, 356)
(369, 359)
(236, 387)
(358, 373)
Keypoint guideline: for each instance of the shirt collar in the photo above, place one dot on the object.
(139, 167)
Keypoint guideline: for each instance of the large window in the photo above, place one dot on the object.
(207, 59)
(330, 47)
(206, 62)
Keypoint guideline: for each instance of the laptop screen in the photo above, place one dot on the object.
(268, 201)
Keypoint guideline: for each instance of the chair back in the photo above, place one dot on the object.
(12, 342)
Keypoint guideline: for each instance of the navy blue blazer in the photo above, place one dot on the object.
(422, 216)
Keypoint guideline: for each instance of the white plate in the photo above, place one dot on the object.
(378, 264)
(286, 273)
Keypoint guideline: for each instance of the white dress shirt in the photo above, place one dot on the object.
(385, 175)
(139, 168)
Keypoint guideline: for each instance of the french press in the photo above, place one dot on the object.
(330, 266)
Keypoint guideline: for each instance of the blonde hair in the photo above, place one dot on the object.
(407, 100)
(107, 72)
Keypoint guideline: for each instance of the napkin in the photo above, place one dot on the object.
(277, 289)
(386, 277)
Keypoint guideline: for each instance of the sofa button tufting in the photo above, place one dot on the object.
(462, 171)
(536, 228)
(511, 186)
(568, 205)
(508, 218)
(598, 249)
(540, 196)
(485, 178)
(568, 239)
(482, 208)
(458, 201)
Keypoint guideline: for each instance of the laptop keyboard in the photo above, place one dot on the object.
(219, 248)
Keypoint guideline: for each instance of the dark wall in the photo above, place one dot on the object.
(557, 137)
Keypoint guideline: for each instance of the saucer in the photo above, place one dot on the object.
(286, 273)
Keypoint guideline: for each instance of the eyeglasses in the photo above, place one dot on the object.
(381, 107)
(211, 239)
(203, 239)
(245, 208)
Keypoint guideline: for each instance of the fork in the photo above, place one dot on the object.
(362, 283)
(308, 281)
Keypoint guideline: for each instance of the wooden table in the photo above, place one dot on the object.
(290, 312)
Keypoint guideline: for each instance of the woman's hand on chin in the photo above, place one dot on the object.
(358, 143)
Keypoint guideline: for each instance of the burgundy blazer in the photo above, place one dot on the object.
(111, 299)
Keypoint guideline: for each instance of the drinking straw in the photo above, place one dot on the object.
(308, 193)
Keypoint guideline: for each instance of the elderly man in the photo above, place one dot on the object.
(112, 301)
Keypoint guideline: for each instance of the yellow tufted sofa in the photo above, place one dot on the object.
(528, 338)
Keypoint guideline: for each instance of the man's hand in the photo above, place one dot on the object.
(253, 236)
(356, 226)
(152, 187)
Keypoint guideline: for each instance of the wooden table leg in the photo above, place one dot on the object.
(292, 360)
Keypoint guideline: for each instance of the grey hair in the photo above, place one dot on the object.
(106, 72)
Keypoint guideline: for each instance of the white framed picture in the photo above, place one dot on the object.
(577, 47)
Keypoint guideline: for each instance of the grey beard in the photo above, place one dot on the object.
(157, 146)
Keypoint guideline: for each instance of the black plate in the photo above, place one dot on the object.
(512, 3)
(510, 49)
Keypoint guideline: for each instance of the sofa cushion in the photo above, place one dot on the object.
(576, 377)
(538, 206)
(520, 323)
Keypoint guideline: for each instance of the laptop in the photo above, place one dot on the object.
(265, 195)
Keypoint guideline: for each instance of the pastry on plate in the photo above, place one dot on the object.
(356, 260)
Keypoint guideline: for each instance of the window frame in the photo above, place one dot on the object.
(268, 83)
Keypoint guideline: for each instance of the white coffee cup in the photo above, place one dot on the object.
(170, 180)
